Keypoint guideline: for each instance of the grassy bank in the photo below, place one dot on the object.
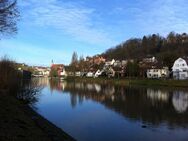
(132, 81)
(20, 123)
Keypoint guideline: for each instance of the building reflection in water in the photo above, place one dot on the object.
(42, 81)
(180, 101)
(153, 106)
(97, 88)
(57, 85)
(157, 95)
(179, 98)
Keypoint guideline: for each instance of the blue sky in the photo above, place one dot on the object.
(53, 29)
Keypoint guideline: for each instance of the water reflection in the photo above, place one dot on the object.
(30, 91)
(180, 101)
(118, 111)
(179, 98)
(149, 105)
(157, 95)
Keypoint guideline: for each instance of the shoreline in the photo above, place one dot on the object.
(133, 82)
(19, 122)
(55, 133)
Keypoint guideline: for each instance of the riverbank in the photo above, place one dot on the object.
(19, 122)
(132, 81)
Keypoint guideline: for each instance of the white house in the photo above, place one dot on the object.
(180, 69)
(98, 73)
(117, 63)
(110, 63)
(89, 74)
(150, 60)
(63, 73)
(78, 73)
(158, 72)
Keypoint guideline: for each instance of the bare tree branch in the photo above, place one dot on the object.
(6, 5)
(8, 17)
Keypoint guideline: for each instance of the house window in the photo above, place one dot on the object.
(183, 76)
(155, 75)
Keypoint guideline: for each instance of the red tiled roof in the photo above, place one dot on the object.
(58, 65)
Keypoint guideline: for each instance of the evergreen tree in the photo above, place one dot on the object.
(74, 62)
(74, 59)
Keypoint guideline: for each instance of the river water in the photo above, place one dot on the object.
(93, 112)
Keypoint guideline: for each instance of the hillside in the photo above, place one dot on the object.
(166, 49)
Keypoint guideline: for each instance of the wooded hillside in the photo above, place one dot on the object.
(166, 49)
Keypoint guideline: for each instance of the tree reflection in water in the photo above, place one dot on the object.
(152, 106)
(30, 90)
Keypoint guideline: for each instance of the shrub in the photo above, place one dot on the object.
(10, 78)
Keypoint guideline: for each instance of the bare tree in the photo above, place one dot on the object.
(8, 17)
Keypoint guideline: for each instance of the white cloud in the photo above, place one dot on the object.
(161, 16)
(140, 17)
(69, 18)
(128, 20)
(167, 15)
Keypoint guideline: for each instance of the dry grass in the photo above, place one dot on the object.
(9, 77)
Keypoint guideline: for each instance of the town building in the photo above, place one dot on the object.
(146, 64)
(39, 71)
(149, 60)
(58, 70)
(117, 63)
(110, 63)
(98, 73)
(158, 72)
(90, 74)
(96, 59)
(180, 69)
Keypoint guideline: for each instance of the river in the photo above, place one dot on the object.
(93, 112)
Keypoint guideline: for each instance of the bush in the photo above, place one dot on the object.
(10, 78)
